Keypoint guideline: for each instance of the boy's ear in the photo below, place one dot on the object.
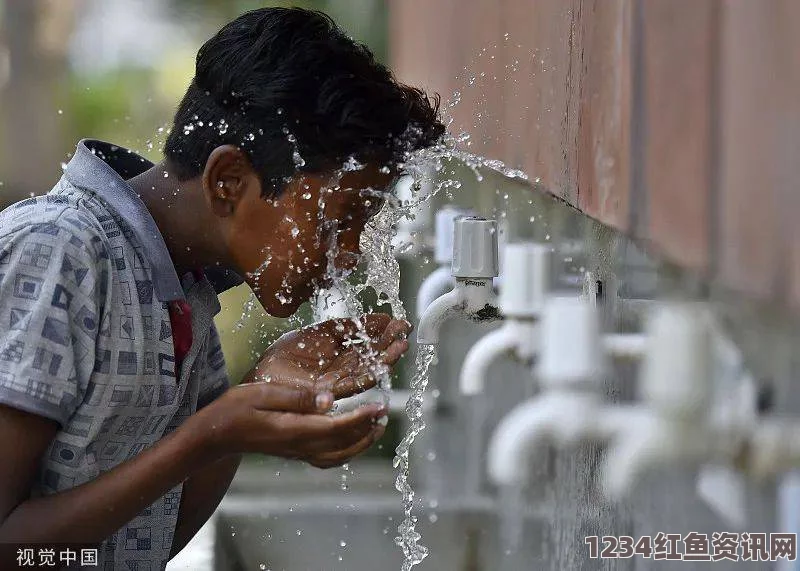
(227, 178)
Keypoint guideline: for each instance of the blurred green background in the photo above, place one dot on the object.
(115, 70)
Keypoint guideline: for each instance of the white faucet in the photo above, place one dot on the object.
(475, 263)
(521, 300)
(677, 425)
(569, 371)
(676, 387)
(441, 279)
(411, 238)
(570, 408)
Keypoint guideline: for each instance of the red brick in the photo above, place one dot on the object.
(679, 43)
(759, 111)
(551, 149)
(603, 168)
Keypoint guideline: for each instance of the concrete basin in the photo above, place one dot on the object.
(355, 532)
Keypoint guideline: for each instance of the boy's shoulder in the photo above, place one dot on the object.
(52, 221)
(52, 214)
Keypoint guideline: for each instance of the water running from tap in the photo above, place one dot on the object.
(409, 538)
(382, 273)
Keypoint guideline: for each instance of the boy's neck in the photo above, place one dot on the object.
(179, 214)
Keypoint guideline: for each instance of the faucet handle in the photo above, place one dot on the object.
(475, 248)
(525, 279)
(572, 352)
(445, 221)
(676, 372)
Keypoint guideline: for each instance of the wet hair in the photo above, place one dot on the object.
(295, 93)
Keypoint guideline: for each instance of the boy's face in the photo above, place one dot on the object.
(284, 246)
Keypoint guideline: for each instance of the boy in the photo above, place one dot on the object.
(117, 426)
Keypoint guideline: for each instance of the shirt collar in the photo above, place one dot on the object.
(103, 169)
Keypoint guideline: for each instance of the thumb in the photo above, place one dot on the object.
(275, 397)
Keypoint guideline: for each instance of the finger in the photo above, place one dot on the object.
(377, 365)
(394, 352)
(334, 459)
(346, 366)
(282, 398)
(375, 323)
(345, 383)
(337, 456)
(348, 328)
(396, 330)
(320, 434)
(353, 385)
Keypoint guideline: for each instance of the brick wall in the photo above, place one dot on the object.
(675, 121)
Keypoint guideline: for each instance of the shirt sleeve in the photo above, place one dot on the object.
(52, 290)
(216, 380)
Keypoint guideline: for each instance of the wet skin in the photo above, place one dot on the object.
(231, 225)
(220, 219)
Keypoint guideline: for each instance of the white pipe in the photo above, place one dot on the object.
(625, 346)
(628, 459)
(649, 442)
(470, 296)
(397, 400)
(516, 336)
(439, 311)
(558, 418)
(433, 286)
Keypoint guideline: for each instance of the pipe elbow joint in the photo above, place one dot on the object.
(433, 286)
(480, 357)
(436, 314)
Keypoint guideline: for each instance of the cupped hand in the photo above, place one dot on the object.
(288, 422)
(342, 356)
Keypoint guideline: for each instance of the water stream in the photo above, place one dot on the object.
(383, 276)
(409, 538)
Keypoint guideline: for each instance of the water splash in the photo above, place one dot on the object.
(382, 269)
(429, 168)
(408, 540)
